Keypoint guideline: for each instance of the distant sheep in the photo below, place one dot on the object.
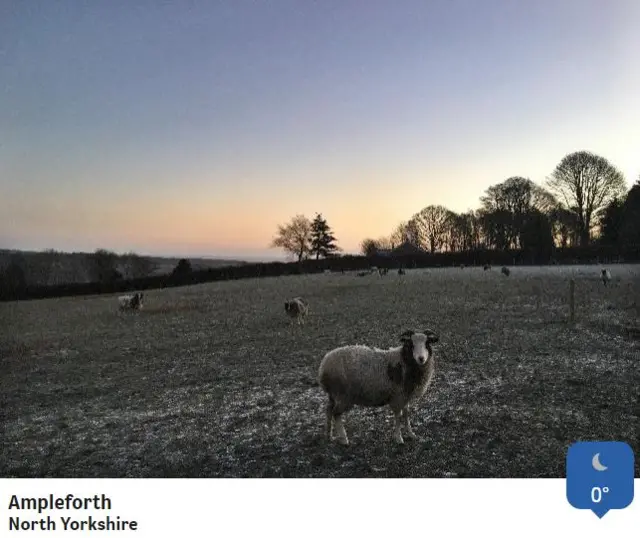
(487, 267)
(505, 271)
(383, 271)
(131, 302)
(372, 377)
(605, 275)
(462, 266)
(363, 273)
(297, 309)
(401, 271)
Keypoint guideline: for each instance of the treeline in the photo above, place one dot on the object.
(183, 274)
(583, 215)
(584, 203)
(23, 272)
(50, 267)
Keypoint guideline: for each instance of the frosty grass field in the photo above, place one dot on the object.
(215, 381)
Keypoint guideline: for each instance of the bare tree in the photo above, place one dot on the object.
(405, 232)
(432, 224)
(463, 231)
(137, 266)
(101, 265)
(384, 243)
(294, 237)
(564, 225)
(586, 183)
(399, 234)
(369, 247)
(507, 206)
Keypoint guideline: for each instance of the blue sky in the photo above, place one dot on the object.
(196, 127)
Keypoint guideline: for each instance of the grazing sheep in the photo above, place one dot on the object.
(605, 275)
(487, 267)
(372, 377)
(401, 271)
(364, 273)
(505, 271)
(131, 302)
(383, 271)
(296, 309)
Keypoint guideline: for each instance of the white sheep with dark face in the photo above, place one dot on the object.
(131, 302)
(297, 309)
(372, 377)
(605, 275)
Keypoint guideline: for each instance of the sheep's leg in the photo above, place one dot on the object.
(330, 407)
(341, 435)
(339, 408)
(407, 424)
(397, 431)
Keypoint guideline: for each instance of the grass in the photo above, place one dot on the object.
(215, 381)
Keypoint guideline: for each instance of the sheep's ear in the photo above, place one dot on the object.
(406, 335)
(432, 337)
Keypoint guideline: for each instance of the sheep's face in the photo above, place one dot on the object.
(417, 346)
(293, 308)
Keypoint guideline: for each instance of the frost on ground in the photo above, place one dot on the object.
(215, 381)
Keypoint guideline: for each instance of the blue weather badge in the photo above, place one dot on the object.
(600, 476)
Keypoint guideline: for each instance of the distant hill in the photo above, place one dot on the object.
(54, 267)
(166, 265)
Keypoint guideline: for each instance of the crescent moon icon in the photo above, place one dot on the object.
(596, 463)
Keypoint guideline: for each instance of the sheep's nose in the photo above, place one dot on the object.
(422, 360)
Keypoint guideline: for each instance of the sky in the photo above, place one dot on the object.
(195, 128)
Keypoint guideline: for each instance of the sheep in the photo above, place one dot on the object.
(605, 275)
(401, 271)
(487, 267)
(131, 302)
(363, 273)
(372, 377)
(297, 309)
(383, 271)
(505, 271)
(462, 266)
